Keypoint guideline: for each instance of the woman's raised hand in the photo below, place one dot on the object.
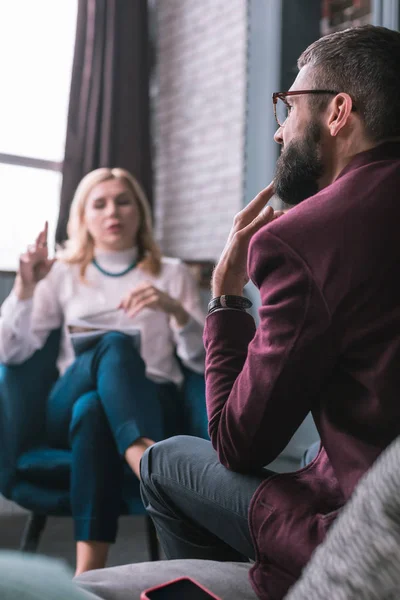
(34, 265)
(146, 295)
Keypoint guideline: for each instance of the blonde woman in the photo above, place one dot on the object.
(110, 263)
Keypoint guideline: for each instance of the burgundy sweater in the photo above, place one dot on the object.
(328, 342)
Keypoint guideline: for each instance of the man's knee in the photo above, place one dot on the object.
(169, 456)
(156, 457)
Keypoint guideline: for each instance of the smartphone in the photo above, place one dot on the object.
(183, 588)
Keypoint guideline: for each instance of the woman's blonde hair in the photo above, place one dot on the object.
(79, 248)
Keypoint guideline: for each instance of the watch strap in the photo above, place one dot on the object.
(229, 301)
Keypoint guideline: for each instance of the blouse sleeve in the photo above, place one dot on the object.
(26, 324)
(189, 338)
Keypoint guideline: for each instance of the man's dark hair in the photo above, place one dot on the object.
(364, 62)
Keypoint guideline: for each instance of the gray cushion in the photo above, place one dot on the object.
(228, 580)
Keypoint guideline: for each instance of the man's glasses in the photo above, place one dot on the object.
(281, 106)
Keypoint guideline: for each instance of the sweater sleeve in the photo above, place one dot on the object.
(26, 324)
(261, 384)
(189, 338)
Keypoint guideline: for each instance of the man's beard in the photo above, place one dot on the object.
(299, 167)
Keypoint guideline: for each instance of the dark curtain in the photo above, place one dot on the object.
(108, 118)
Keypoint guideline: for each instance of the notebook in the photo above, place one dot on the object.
(84, 333)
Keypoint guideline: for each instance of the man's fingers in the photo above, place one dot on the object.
(252, 210)
(266, 216)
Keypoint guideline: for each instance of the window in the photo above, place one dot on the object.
(36, 52)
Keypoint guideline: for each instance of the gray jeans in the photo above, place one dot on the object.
(200, 512)
(199, 508)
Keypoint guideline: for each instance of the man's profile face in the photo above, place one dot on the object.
(300, 165)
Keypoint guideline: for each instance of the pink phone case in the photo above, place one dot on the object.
(167, 584)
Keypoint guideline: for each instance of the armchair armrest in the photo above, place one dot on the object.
(23, 394)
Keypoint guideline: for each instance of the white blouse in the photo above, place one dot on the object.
(61, 298)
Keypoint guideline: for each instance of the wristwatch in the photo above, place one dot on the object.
(226, 301)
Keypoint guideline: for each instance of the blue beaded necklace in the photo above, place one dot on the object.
(120, 274)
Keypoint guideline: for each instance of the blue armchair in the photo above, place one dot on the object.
(36, 476)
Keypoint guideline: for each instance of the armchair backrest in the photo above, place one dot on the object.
(195, 421)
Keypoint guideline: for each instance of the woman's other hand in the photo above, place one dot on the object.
(146, 295)
(34, 265)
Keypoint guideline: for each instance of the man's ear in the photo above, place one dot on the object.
(340, 111)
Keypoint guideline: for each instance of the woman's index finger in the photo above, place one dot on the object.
(42, 237)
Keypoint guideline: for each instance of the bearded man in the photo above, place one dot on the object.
(328, 341)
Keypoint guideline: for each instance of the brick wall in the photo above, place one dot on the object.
(199, 113)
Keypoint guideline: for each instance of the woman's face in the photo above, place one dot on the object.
(112, 215)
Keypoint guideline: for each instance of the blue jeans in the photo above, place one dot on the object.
(98, 408)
